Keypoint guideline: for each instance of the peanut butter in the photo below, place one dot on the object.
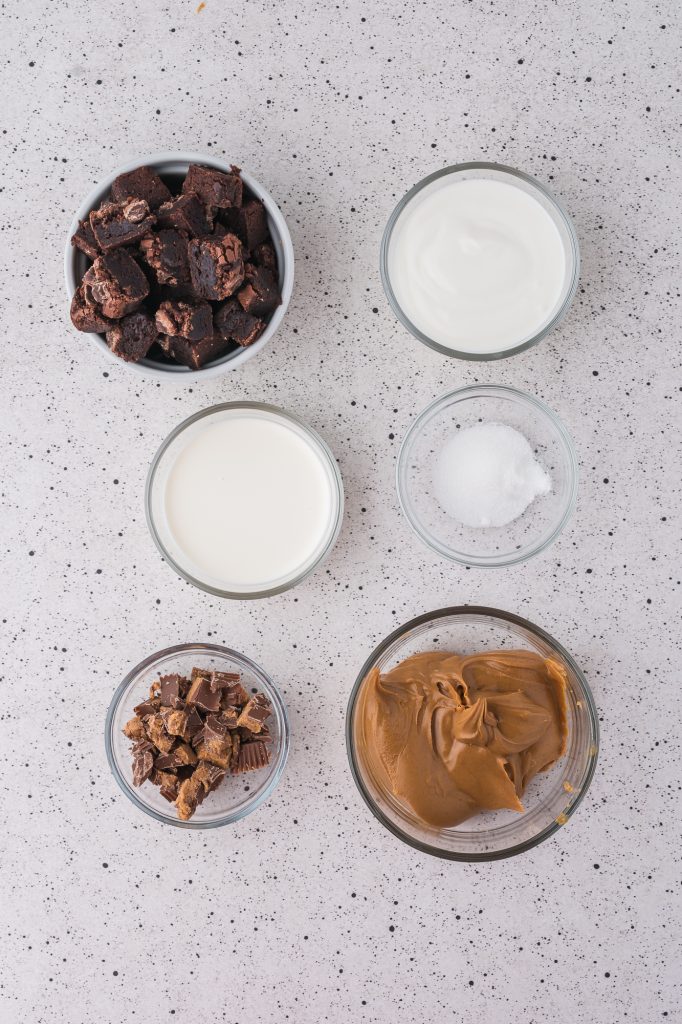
(452, 736)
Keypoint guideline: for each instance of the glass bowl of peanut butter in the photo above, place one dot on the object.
(472, 734)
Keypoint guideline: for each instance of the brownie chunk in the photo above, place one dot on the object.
(142, 183)
(260, 293)
(84, 239)
(249, 222)
(264, 256)
(185, 213)
(234, 324)
(215, 188)
(166, 253)
(191, 320)
(195, 354)
(116, 284)
(133, 336)
(86, 315)
(216, 266)
(125, 223)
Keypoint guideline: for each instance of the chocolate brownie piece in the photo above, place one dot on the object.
(115, 283)
(260, 293)
(216, 266)
(133, 336)
(234, 324)
(195, 354)
(185, 213)
(215, 188)
(84, 239)
(191, 320)
(125, 223)
(249, 222)
(142, 183)
(86, 315)
(166, 253)
(264, 256)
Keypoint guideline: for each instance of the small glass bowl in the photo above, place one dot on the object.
(163, 461)
(562, 222)
(536, 528)
(551, 797)
(237, 795)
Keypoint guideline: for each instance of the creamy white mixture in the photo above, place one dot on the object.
(477, 265)
(487, 475)
(247, 501)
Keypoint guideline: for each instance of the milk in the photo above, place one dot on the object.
(248, 501)
(477, 265)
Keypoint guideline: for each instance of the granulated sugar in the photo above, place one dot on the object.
(487, 475)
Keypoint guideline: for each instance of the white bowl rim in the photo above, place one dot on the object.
(158, 162)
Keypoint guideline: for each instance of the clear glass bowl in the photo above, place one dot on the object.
(562, 222)
(238, 795)
(552, 796)
(543, 520)
(163, 462)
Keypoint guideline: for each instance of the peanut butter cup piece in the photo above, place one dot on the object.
(255, 712)
(201, 695)
(188, 796)
(252, 755)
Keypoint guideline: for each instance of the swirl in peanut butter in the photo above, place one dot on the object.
(453, 735)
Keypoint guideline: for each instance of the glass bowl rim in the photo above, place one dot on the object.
(278, 768)
(324, 450)
(490, 390)
(574, 255)
(507, 617)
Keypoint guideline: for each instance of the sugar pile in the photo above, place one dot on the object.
(487, 475)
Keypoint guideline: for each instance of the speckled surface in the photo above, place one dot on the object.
(307, 912)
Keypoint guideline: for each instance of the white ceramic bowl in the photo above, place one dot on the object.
(175, 165)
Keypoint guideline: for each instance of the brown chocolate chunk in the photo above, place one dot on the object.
(264, 256)
(142, 183)
(147, 707)
(191, 320)
(215, 188)
(216, 266)
(115, 284)
(84, 239)
(143, 763)
(188, 797)
(195, 354)
(251, 757)
(134, 729)
(229, 716)
(260, 293)
(170, 690)
(254, 714)
(249, 222)
(216, 743)
(166, 253)
(221, 680)
(185, 213)
(234, 324)
(124, 223)
(156, 733)
(133, 336)
(201, 694)
(86, 315)
(175, 722)
(209, 775)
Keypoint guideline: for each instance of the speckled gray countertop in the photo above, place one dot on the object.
(308, 911)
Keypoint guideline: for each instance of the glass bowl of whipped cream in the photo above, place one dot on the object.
(479, 261)
(487, 476)
(472, 734)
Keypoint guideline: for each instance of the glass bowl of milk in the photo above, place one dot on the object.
(244, 500)
(479, 261)
(487, 476)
